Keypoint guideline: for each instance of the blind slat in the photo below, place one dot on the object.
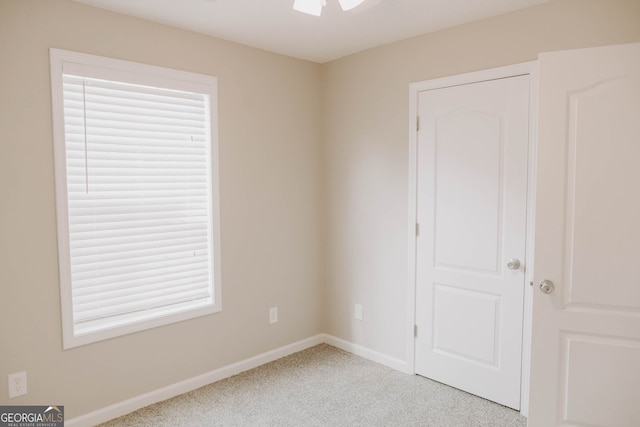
(120, 266)
(89, 260)
(135, 216)
(76, 140)
(128, 305)
(138, 278)
(188, 284)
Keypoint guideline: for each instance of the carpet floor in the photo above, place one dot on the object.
(324, 386)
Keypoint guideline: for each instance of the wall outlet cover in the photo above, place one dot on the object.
(358, 312)
(17, 384)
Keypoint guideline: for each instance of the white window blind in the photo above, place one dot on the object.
(138, 201)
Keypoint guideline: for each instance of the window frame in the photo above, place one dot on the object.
(149, 75)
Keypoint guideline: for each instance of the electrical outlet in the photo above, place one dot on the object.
(358, 311)
(273, 314)
(17, 384)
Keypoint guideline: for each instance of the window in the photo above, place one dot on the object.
(137, 195)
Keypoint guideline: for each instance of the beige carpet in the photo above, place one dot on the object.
(324, 386)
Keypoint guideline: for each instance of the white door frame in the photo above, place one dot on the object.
(527, 68)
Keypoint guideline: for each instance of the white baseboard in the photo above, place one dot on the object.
(367, 353)
(122, 408)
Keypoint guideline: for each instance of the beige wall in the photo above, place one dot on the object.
(313, 183)
(366, 141)
(269, 119)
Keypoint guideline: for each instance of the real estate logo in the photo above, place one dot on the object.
(32, 416)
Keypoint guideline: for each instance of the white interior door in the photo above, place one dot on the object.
(585, 367)
(471, 209)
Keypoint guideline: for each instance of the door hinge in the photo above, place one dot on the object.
(417, 229)
(417, 122)
(415, 331)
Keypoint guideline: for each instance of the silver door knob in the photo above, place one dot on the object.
(513, 264)
(547, 286)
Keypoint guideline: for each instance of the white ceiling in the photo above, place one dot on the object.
(274, 26)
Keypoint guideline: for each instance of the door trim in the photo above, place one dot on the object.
(527, 68)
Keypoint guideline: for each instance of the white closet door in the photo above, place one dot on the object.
(472, 194)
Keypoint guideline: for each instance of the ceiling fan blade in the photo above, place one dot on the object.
(311, 7)
(349, 4)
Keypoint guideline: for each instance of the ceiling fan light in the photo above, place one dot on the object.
(349, 4)
(311, 7)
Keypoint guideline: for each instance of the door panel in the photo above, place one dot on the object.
(472, 192)
(587, 404)
(468, 147)
(599, 179)
(464, 324)
(585, 365)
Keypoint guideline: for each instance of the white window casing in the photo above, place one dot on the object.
(137, 195)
